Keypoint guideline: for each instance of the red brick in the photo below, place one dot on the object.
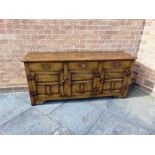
(38, 36)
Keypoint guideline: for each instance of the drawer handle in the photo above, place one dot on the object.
(46, 66)
(83, 65)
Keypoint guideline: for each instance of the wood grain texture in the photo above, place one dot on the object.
(71, 77)
(76, 56)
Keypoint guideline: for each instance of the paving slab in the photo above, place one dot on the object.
(136, 92)
(31, 122)
(77, 116)
(110, 124)
(105, 115)
(49, 106)
(139, 110)
(11, 106)
(24, 96)
(62, 131)
(101, 102)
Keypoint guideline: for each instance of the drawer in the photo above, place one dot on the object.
(83, 65)
(116, 64)
(46, 67)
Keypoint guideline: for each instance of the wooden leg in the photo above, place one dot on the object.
(33, 103)
(123, 95)
(37, 103)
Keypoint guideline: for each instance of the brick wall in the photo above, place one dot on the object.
(17, 37)
(144, 72)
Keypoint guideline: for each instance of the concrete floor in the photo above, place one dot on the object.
(108, 115)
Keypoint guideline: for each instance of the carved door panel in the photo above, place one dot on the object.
(50, 84)
(114, 76)
(47, 83)
(81, 83)
(46, 80)
(81, 78)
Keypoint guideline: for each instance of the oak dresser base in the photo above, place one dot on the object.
(71, 75)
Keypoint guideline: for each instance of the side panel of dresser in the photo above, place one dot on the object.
(30, 84)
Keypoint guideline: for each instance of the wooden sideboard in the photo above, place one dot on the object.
(68, 75)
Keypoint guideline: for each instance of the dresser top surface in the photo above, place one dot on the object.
(77, 56)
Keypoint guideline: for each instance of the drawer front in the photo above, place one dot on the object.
(116, 64)
(82, 66)
(46, 67)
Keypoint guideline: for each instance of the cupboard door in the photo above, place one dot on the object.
(81, 78)
(81, 83)
(49, 84)
(110, 81)
(46, 79)
(114, 76)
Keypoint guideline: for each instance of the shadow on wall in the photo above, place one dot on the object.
(133, 93)
(144, 77)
